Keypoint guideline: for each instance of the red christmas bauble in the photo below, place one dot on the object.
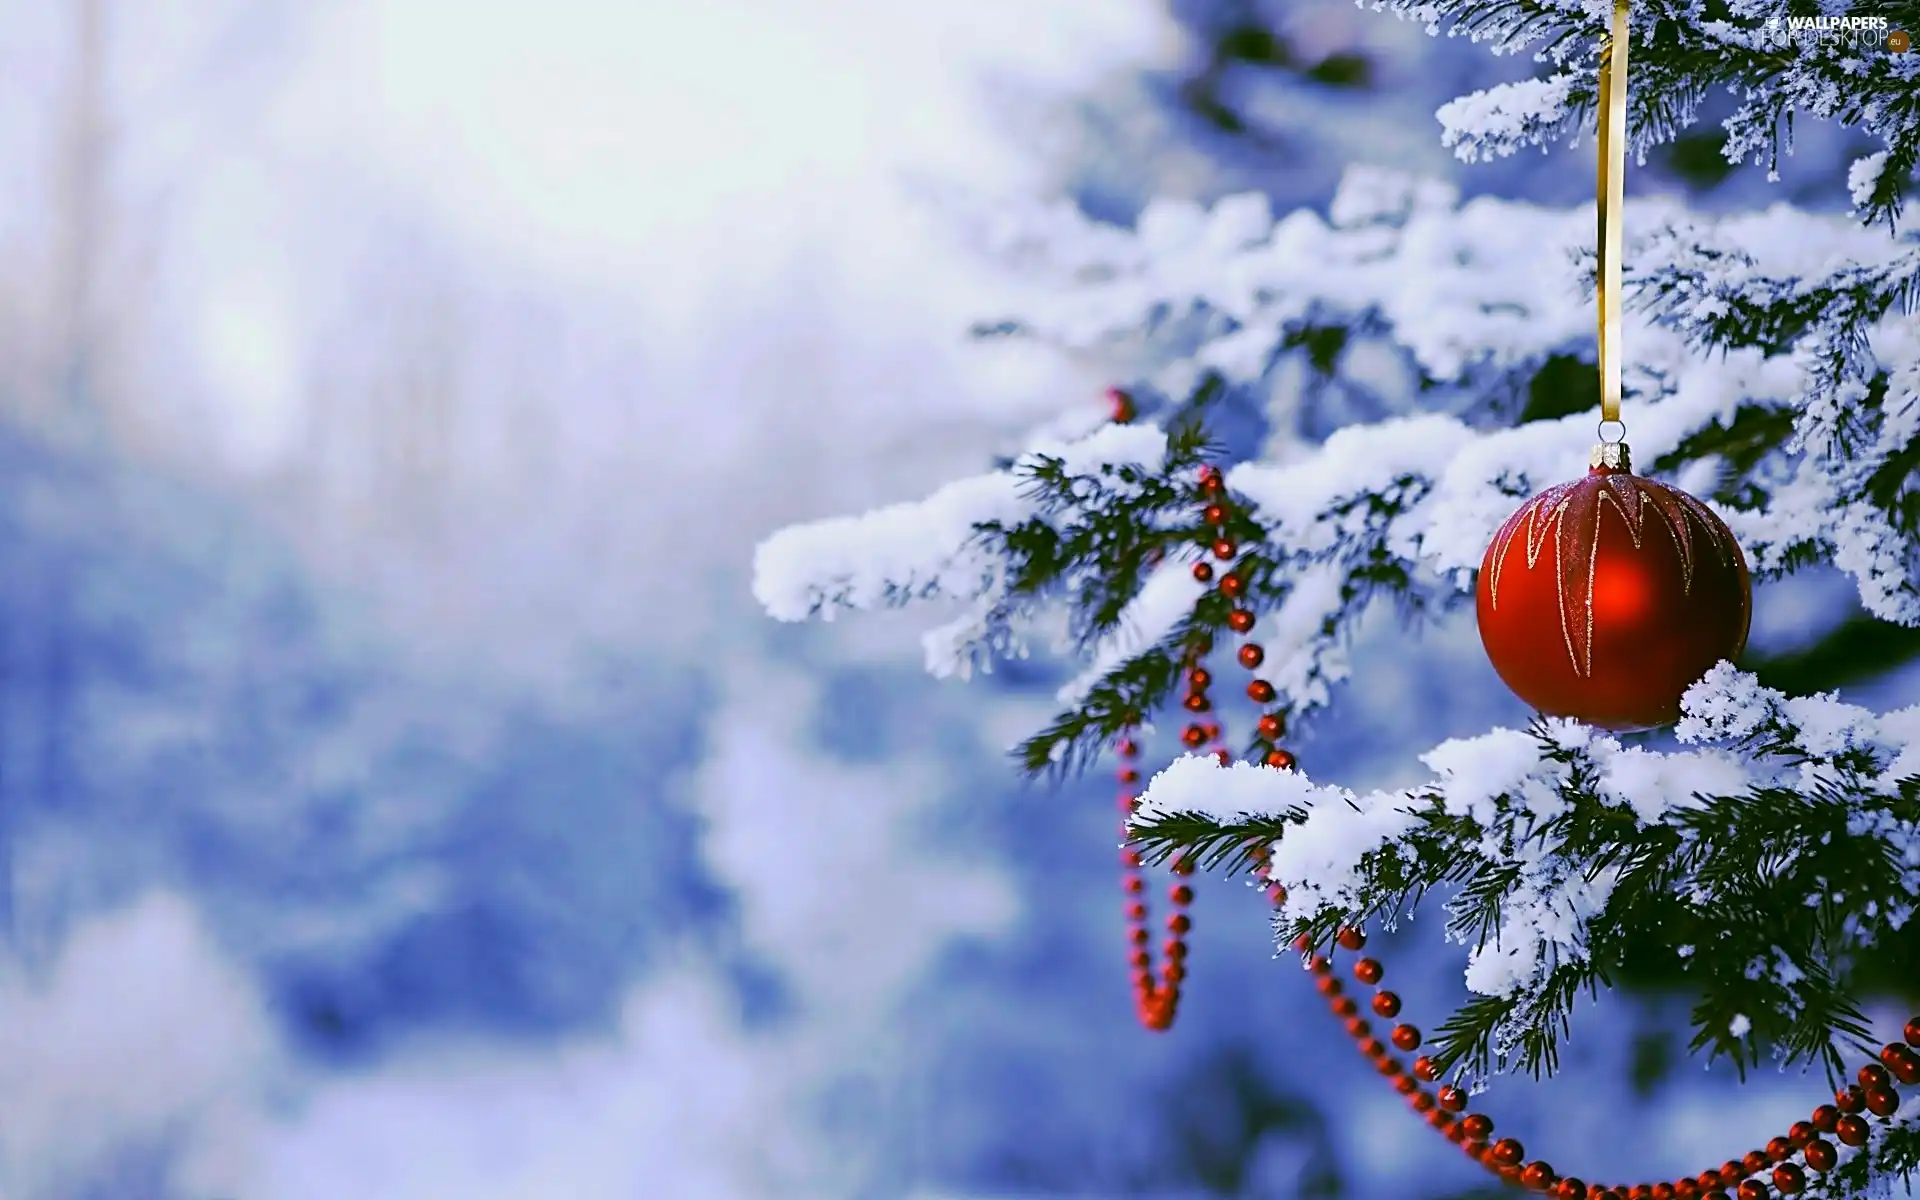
(1605, 598)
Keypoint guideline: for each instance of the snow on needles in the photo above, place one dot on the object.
(1507, 787)
(925, 549)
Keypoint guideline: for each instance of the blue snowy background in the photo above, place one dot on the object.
(402, 795)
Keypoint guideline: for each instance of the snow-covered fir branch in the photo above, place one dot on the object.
(1774, 365)
(1570, 853)
(1779, 60)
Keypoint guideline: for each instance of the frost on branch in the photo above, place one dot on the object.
(1679, 56)
(1569, 855)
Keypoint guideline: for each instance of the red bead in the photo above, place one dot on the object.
(1126, 748)
(1214, 514)
(1182, 866)
(1685, 1189)
(1821, 1155)
(1640, 1191)
(1173, 972)
(1440, 1118)
(1271, 727)
(1197, 702)
(1180, 893)
(1824, 1117)
(1281, 759)
(1851, 1130)
(1789, 1179)
(1224, 548)
(1637, 591)
(1406, 1085)
(1452, 1098)
(1406, 1037)
(1240, 620)
(1388, 1065)
(1120, 406)
(1369, 971)
(1883, 1101)
(1387, 1004)
(1780, 1150)
(1136, 912)
(1732, 1172)
(1223, 757)
(1358, 1029)
(1424, 1068)
(1849, 1099)
(1373, 1047)
(1301, 944)
(1127, 775)
(1261, 692)
(1570, 1188)
(1193, 737)
(1477, 1125)
(1327, 985)
(1277, 895)
(1209, 476)
(1912, 1033)
(1422, 1101)
(1203, 572)
(1661, 1191)
(1139, 937)
(1319, 965)
(1174, 949)
(1874, 1075)
(1508, 1152)
(1751, 1189)
(1350, 938)
(1179, 923)
(1755, 1161)
(1199, 678)
(1800, 1133)
(1903, 1064)
(1135, 885)
(1537, 1176)
(1231, 586)
(1251, 655)
(1140, 958)
(1345, 1007)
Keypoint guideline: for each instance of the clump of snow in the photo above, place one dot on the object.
(1864, 176)
(925, 549)
(1497, 121)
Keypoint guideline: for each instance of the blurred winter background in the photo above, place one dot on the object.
(402, 795)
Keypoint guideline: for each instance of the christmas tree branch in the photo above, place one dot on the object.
(1765, 863)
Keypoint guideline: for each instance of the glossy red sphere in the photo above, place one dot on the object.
(1605, 598)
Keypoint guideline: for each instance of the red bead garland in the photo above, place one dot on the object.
(1757, 1175)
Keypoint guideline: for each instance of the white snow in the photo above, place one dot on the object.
(1500, 120)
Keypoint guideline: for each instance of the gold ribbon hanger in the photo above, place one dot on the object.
(1612, 199)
